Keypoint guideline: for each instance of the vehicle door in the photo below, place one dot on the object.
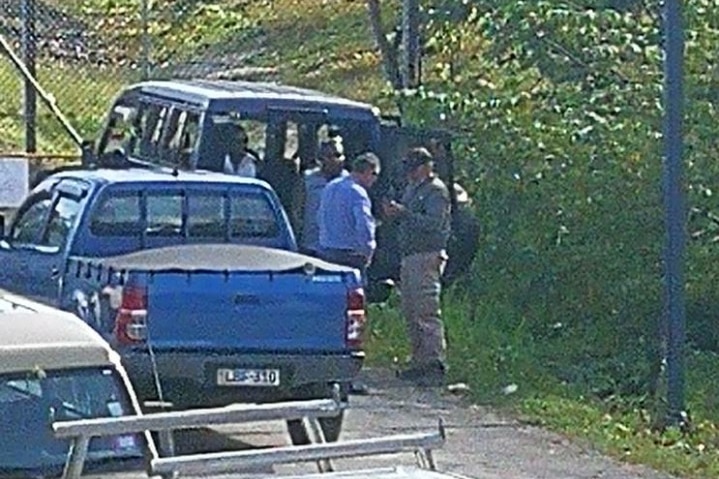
(396, 140)
(464, 241)
(33, 254)
(291, 149)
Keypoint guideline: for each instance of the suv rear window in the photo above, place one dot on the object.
(194, 214)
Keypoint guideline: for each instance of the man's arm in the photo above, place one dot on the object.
(321, 225)
(364, 224)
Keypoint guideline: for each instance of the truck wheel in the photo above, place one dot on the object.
(331, 427)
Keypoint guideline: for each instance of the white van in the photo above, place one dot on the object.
(54, 367)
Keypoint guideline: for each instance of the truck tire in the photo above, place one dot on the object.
(331, 427)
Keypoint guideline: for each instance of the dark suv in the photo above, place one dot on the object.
(192, 124)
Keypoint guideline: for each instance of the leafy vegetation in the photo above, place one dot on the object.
(560, 109)
(557, 107)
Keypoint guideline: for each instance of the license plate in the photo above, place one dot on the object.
(248, 377)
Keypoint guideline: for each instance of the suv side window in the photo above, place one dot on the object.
(29, 225)
(121, 129)
(151, 120)
(180, 137)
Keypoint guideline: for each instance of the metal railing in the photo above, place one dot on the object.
(81, 431)
(421, 444)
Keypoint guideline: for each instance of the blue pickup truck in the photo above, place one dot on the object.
(195, 279)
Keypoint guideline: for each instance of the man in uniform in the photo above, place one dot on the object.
(424, 216)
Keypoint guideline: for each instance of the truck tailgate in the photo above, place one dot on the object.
(238, 297)
(282, 312)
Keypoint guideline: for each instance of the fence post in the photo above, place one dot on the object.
(675, 214)
(29, 49)
(146, 43)
(411, 43)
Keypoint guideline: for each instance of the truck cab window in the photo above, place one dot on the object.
(62, 220)
(252, 216)
(207, 215)
(164, 214)
(30, 223)
(116, 216)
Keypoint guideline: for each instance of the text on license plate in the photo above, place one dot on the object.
(248, 377)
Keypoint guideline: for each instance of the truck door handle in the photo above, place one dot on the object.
(54, 272)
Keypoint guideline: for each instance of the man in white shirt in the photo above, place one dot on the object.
(238, 160)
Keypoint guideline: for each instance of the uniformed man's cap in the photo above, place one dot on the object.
(416, 157)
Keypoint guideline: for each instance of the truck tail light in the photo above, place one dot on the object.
(356, 318)
(131, 319)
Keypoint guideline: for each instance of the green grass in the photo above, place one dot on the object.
(83, 98)
(323, 45)
(489, 350)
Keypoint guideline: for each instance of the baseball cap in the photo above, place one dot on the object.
(416, 157)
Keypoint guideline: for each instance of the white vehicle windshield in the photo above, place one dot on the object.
(31, 402)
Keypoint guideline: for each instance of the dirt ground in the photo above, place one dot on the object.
(480, 443)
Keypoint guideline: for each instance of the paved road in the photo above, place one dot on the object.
(480, 444)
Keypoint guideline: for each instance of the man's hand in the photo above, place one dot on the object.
(393, 209)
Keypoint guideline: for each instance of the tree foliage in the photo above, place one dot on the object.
(558, 106)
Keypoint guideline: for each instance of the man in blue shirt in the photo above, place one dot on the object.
(331, 165)
(346, 224)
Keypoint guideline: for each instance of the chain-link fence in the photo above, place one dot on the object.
(84, 51)
(79, 54)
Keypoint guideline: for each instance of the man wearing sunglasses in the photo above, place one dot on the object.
(346, 224)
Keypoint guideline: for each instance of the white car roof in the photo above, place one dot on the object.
(36, 336)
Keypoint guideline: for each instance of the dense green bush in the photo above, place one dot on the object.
(559, 109)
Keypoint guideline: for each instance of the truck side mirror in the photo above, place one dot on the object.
(2, 226)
